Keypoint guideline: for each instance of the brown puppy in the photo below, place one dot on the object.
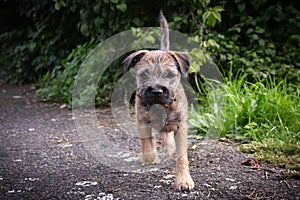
(158, 81)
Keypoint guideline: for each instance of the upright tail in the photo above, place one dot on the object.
(164, 43)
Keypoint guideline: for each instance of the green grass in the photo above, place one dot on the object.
(265, 113)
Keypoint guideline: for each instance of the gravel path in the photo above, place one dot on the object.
(42, 157)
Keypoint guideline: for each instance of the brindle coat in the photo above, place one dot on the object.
(158, 81)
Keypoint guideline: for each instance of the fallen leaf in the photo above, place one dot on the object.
(251, 162)
(63, 106)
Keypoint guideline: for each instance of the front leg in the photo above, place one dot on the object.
(184, 180)
(149, 152)
(168, 143)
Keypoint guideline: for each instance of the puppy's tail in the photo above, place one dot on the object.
(164, 43)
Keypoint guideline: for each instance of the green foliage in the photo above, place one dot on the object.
(265, 112)
(57, 85)
(275, 151)
(212, 15)
(97, 19)
(261, 39)
(101, 19)
(37, 44)
(51, 29)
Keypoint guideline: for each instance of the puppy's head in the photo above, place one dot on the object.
(158, 74)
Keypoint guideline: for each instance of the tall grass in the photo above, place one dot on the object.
(265, 113)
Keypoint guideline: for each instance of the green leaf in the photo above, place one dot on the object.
(254, 37)
(98, 21)
(213, 43)
(222, 57)
(217, 16)
(205, 16)
(261, 42)
(218, 8)
(212, 15)
(96, 8)
(84, 29)
(84, 14)
(241, 7)
(237, 29)
(137, 21)
(211, 21)
(204, 3)
(249, 31)
(259, 30)
(59, 4)
(122, 7)
(177, 19)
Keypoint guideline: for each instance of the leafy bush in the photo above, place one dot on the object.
(57, 85)
(95, 20)
(51, 29)
(35, 46)
(261, 39)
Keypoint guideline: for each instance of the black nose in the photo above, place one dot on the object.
(157, 92)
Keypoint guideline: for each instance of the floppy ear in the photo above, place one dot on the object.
(133, 58)
(182, 60)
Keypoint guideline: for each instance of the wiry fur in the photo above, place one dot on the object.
(161, 71)
(165, 41)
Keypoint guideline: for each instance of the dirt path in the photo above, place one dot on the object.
(42, 157)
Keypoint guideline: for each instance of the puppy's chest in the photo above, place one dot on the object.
(162, 119)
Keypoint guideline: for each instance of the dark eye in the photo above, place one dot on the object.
(144, 74)
(170, 75)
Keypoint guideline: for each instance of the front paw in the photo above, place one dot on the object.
(149, 158)
(184, 182)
